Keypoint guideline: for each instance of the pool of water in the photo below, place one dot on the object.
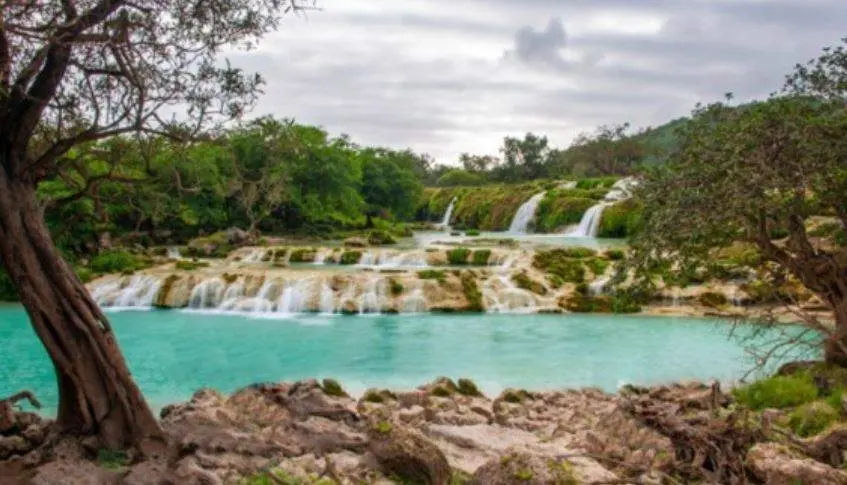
(173, 353)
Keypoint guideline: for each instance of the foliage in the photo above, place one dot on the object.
(112, 460)
(331, 387)
(458, 256)
(472, 293)
(432, 274)
(480, 257)
(556, 211)
(524, 282)
(615, 254)
(395, 287)
(812, 418)
(597, 265)
(350, 257)
(380, 238)
(308, 255)
(620, 220)
(457, 177)
(472, 233)
(777, 392)
(117, 261)
(467, 387)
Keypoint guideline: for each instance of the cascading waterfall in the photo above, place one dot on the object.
(526, 214)
(207, 294)
(173, 253)
(415, 300)
(139, 293)
(327, 299)
(445, 222)
(598, 286)
(501, 295)
(393, 260)
(255, 256)
(589, 225)
(373, 299)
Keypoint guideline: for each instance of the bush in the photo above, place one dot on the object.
(457, 176)
(524, 282)
(812, 418)
(620, 220)
(395, 287)
(615, 254)
(303, 255)
(381, 238)
(117, 261)
(190, 265)
(480, 257)
(596, 182)
(458, 256)
(350, 257)
(598, 266)
(432, 274)
(472, 293)
(560, 265)
(712, 300)
(558, 210)
(777, 392)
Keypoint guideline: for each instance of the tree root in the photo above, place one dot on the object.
(28, 395)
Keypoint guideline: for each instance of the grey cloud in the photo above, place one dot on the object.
(541, 47)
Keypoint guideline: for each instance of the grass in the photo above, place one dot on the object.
(331, 387)
(458, 256)
(559, 209)
(380, 238)
(117, 261)
(472, 233)
(432, 274)
(597, 265)
(480, 257)
(561, 265)
(467, 387)
(812, 418)
(112, 460)
(615, 254)
(777, 392)
(524, 282)
(472, 293)
(186, 265)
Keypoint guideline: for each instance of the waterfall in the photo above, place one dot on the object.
(255, 256)
(393, 259)
(207, 294)
(589, 225)
(327, 299)
(415, 302)
(173, 253)
(525, 214)
(139, 292)
(598, 286)
(295, 297)
(445, 222)
(374, 297)
(502, 296)
(321, 255)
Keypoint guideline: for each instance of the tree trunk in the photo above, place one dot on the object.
(97, 395)
(835, 347)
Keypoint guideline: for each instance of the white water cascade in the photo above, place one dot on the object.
(139, 293)
(445, 222)
(525, 214)
(589, 225)
(173, 253)
(393, 259)
(501, 295)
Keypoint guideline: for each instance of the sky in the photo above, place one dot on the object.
(449, 76)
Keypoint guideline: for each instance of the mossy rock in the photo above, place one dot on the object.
(186, 265)
(381, 238)
(350, 257)
(467, 387)
(408, 455)
(614, 254)
(458, 256)
(303, 255)
(472, 293)
(164, 291)
(432, 274)
(520, 468)
(378, 396)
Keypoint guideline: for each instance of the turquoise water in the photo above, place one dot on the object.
(174, 353)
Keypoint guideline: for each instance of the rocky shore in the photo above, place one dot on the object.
(444, 432)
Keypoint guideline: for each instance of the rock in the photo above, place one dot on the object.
(8, 422)
(147, 473)
(525, 469)
(237, 237)
(35, 434)
(355, 242)
(775, 464)
(408, 455)
(13, 445)
(73, 472)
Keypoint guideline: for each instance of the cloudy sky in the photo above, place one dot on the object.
(451, 76)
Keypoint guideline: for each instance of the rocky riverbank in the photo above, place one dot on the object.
(441, 433)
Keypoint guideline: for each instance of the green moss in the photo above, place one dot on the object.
(812, 418)
(331, 387)
(186, 265)
(597, 265)
(559, 209)
(459, 477)
(712, 300)
(458, 256)
(560, 266)
(615, 254)
(480, 257)
(383, 427)
(620, 220)
(523, 474)
(581, 303)
(112, 460)
(524, 282)
(381, 238)
(432, 274)
(472, 233)
(306, 255)
(472, 293)
(395, 287)
(350, 257)
(373, 396)
(777, 392)
(467, 387)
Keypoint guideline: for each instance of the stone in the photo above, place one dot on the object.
(13, 445)
(525, 469)
(73, 472)
(407, 454)
(775, 464)
(8, 421)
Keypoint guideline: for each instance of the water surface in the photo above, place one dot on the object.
(174, 353)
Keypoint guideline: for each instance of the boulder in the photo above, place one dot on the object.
(407, 454)
(237, 237)
(775, 464)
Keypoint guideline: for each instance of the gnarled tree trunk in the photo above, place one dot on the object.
(835, 347)
(97, 395)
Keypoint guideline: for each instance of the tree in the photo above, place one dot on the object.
(78, 71)
(389, 183)
(477, 163)
(754, 173)
(608, 151)
(457, 177)
(524, 159)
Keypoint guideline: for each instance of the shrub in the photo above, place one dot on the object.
(480, 257)
(777, 392)
(117, 261)
(596, 182)
(185, 265)
(472, 233)
(812, 418)
(560, 265)
(598, 266)
(458, 256)
(575, 252)
(380, 238)
(350, 257)
(305, 255)
(331, 387)
(395, 287)
(472, 293)
(615, 254)
(620, 220)
(712, 300)
(468, 387)
(524, 282)
(559, 209)
(432, 274)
